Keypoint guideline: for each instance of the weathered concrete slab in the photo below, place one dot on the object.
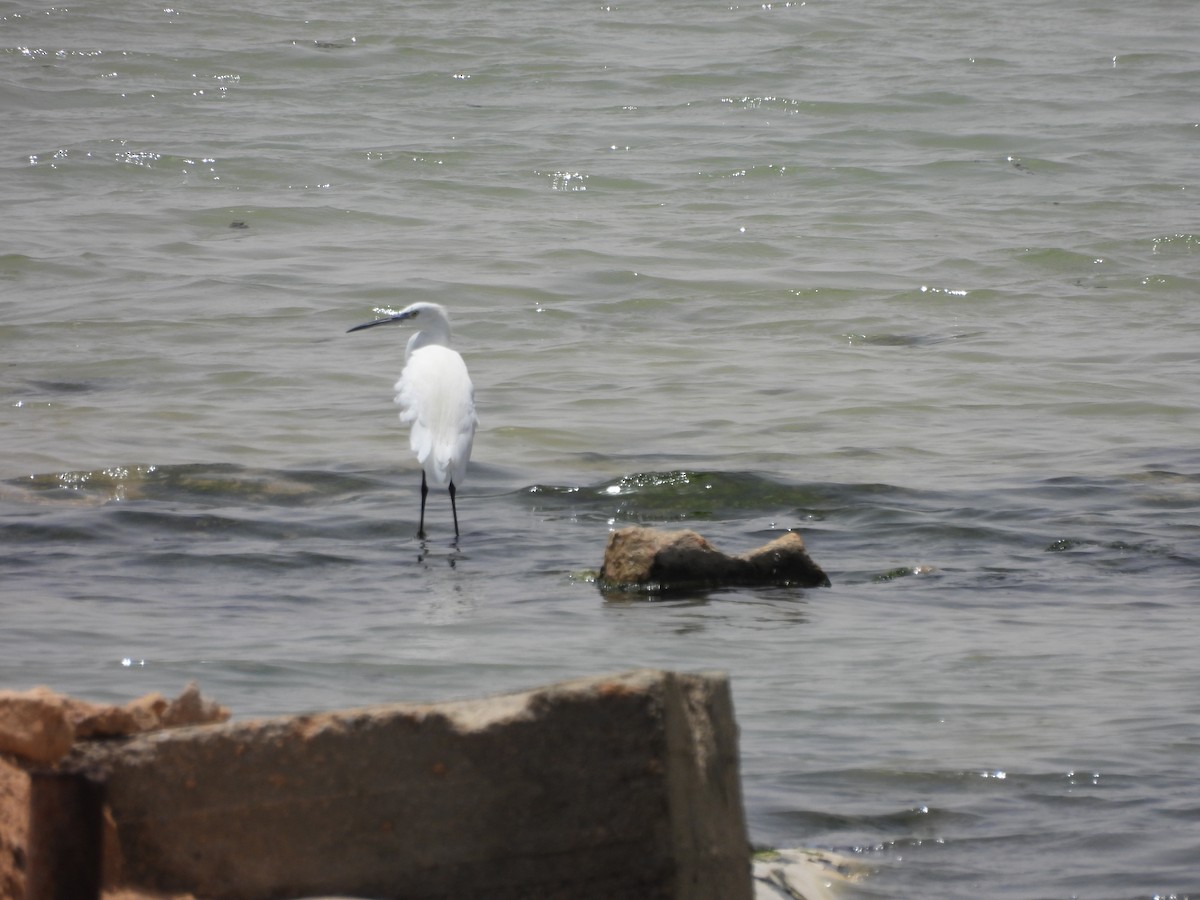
(622, 786)
(653, 560)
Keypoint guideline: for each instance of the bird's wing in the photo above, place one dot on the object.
(437, 399)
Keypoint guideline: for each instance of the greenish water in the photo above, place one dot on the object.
(915, 280)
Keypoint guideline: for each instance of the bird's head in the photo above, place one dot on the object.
(433, 325)
(428, 317)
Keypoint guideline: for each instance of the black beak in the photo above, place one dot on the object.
(387, 321)
(368, 325)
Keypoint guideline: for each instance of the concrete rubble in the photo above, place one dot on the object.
(39, 727)
(624, 785)
(648, 559)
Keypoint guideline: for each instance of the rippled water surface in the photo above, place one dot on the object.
(919, 280)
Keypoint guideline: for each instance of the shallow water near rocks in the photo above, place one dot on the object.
(916, 281)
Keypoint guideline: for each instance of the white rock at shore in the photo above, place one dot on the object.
(803, 874)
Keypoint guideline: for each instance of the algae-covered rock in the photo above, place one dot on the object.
(652, 560)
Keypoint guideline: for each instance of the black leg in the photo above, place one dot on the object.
(424, 494)
(453, 509)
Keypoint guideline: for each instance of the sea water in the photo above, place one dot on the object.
(918, 280)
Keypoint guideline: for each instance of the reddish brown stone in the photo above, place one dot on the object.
(35, 725)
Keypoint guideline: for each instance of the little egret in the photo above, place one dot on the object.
(436, 398)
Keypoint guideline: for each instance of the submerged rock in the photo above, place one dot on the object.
(648, 559)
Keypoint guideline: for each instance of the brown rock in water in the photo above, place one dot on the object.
(671, 560)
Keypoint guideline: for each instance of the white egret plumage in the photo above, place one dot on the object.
(436, 398)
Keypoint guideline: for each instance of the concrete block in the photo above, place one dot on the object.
(620, 786)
